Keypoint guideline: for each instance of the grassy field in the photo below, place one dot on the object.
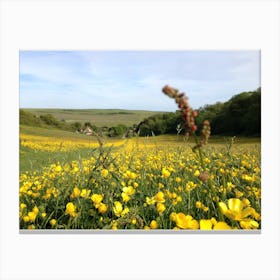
(68, 181)
(98, 117)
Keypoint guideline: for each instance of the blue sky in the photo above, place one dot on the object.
(133, 79)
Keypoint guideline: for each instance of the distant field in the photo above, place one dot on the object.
(98, 117)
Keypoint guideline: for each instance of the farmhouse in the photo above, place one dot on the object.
(88, 131)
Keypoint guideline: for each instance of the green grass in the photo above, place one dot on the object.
(51, 132)
(31, 160)
(98, 117)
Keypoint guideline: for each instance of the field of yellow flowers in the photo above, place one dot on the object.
(143, 183)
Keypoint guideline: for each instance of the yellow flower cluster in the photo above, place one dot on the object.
(145, 185)
(53, 144)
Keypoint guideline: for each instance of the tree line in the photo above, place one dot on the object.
(240, 115)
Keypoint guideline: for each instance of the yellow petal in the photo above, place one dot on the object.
(249, 224)
(223, 207)
(221, 226)
(193, 224)
(247, 212)
(205, 224)
(181, 221)
(235, 204)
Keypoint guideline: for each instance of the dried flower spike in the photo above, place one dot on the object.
(187, 113)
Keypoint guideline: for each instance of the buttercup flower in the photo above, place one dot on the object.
(32, 216)
(205, 224)
(104, 172)
(53, 222)
(153, 224)
(165, 173)
(159, 197)
(96, 199)
(185, 221)
(118, 209)
(102, 208)
(76, 192)
(249, 224)
(235, 209)
(71, 209)
(160, 207)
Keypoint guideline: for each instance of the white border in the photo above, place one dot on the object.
(145, 25)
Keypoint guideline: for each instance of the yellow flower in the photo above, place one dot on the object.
(115, 225)
(234, 210)
(104, 172)
(35, 210)
(76, 193)
(165, 173)
(71, 209)
(205, 224)
(173, 216)
(44, 215)
(130, 175)
(26, 219)
(75, 169)
(85, 193)
(246, 202)
(96, 199)
(186, 221)
(150, 201)
(125, 211)
(102, 208)
(179, 198)
(153, 224)
(249, 224)
(22, 206)
(196, 173)
(198, 204)
(238, 193)
(248, 178)
(208, 224)
(53, 222)
(205, 208)
(32, 216)
(160, 207)
(221, 226)
(58, 168)
(117, 208)
(133, 221)
(128, 190)
(125, 197)
(178, 180)
(213, 221)
(159, 197)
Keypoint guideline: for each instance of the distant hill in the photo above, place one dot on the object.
(97, 117)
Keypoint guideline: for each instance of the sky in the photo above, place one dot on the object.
(133, 79)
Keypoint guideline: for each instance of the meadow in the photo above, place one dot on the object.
(72, 181)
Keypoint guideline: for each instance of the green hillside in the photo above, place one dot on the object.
(97, 117)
